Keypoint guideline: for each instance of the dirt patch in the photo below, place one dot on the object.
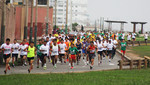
(131, 55)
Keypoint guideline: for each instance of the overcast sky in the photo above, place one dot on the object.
(126, 10)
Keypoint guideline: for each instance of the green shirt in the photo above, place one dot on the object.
(102, 34)
(38, 50)
(123, 46)
(73, 51)
(120, 36)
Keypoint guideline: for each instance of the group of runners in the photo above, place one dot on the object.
(63, 48)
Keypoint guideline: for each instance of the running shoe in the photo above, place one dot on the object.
(91, 67)
(13, 65)
(5, 72)
(28, 71)
(8, 67)
(44, 67)
(71, 67)
(55, 66)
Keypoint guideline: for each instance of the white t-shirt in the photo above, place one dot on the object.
(45, 49)
(22, 47)
(114, 42)
(123, 35)
(54, 50)
(129, 37)
(146, 36)
(7, 48)
(110, 46)
(100, 46)
(105, 45)
(62, 48)
(15, 48)
(133, 35)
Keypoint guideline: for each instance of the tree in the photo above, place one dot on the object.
(74, 26)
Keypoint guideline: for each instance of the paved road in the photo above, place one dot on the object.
(64, 67)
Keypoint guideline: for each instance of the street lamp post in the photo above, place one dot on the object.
(26, 21)
(55, 15)
(36, 17)
(31, 27)
(47, 17)
(66, 26)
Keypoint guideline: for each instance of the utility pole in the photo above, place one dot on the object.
(95, 26)
(47, 18)
(55, 14)
(3, 22)
(36, 17)
(66, 26)
(31, 27)
(71, 17)
(26, 21)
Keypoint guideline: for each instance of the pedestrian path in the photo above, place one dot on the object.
(64, 68)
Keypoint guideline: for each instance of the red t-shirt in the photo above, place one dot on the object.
(92, 49)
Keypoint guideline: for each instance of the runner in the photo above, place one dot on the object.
(109, 50)
(67, 48)
(23, 54)
(91, 48)
(84, 48)
(104, 48)
(78, 46)
(44, 49)
(123, 49)
(133, 36)
(72, 55)
(115, 43)
(100, 51)
(62, 52)
(31, 51)
(146, 37)
(48, 44)
(129, 37)
(87, 51)
(15, 52)
(54, 53)
(7, 49)
(39, 54)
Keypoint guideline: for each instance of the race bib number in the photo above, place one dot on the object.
(92, 51)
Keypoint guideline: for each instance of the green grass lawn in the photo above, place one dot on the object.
(116, 77)
(138, 38)
(141, 50)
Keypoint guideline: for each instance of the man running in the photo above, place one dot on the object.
(62, 52)
(23, 53)
(100, 51)
(54, 52)
(15, 52)
(31, 51)
(123, 49)
(72, 55)
(7, 49)
(109, 50)
(84, 48)
(44, 49)
(91, 49)
(39, 54)
(78, 46)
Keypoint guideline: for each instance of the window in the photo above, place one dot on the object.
(42, 2)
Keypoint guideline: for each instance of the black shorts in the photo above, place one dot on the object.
(91, 56)
(6, 56)
(21, 56)
(133, 38)
(15, 55)
(79, 51)
(100, 53)
(61, 55)
(145, 39)
(30, 58)
(129, 40)
(109, 52)
(105, 51)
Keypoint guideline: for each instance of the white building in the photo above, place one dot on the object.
(78, 14)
